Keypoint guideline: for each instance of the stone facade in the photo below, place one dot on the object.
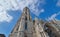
(26, 27)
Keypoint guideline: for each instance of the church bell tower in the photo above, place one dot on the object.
(24, 26)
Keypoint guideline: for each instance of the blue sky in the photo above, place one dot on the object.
(11, 10)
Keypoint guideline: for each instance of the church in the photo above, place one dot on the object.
(26, 27)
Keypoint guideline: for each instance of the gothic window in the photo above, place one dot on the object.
(26, 18)
(17, 28)
(26, 12)
(25, 26)
(38, 24)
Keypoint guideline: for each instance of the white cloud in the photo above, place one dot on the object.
(5, 17)
(32, 4)
(58, 3)
(19, 5)
(53, 16)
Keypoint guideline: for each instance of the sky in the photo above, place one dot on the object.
(11, 10)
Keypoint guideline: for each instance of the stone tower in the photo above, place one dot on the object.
(24, 25)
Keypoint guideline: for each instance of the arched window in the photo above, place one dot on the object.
(25, 26)
(17, 28)
(26, 18)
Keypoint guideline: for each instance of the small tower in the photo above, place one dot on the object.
(24, 26)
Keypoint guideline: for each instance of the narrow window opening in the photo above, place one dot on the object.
(25, 18)
(17, 28)
(26, 11)
(25, 26)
